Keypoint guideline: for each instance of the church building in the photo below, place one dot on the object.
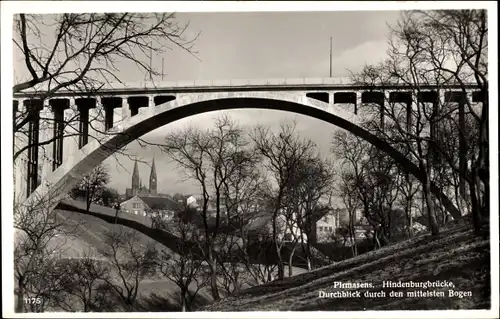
(143, 201)
(140, 190)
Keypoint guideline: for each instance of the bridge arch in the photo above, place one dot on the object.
(73, 168)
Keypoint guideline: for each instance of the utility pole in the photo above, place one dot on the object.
(162, 60)
(330, 56)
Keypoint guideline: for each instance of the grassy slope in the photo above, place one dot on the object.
(455, 256)
(154, 294)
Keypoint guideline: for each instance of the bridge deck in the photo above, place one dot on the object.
(181, 86)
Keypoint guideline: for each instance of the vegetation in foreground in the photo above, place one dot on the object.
(455, 256)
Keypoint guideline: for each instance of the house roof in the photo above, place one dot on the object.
(156, 202)
(258, 223)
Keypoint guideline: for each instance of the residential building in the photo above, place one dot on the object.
(150, 205)
(326, 226)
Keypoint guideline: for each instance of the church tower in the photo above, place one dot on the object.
(153, 180)
(135, 180)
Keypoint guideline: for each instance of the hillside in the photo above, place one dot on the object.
(456, 256)
(88, 233)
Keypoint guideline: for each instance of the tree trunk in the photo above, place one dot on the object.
(430, 204)
(88, 201)
(409, 216)
(279, 259)
(476, 210)
(376, 240)
(213, 276)
(352, 234)
(183, 300)
(290, 262)
(20, 296)
(281, 266)
(308, 255)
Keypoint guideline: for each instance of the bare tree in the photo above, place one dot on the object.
(209, 158)
(186, 270)
(437, 49)
(40, 240)
(92, 185)
(282, 153)
(87, 46)
(369, 180)
(351, 151)
(231, 263)
(346, 190)
(131, 263)
(85, 283)
(316, 183)
(81, 53)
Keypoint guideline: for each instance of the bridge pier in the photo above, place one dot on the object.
(459, 97)
(46, 136)
(377, 98)
(404, 98)
(96, 118)
(58, 107)
(20, 164)
(71, 135)
(109, 105)
(33, 108)
(84, 105)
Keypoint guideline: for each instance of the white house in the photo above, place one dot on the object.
(144, 205)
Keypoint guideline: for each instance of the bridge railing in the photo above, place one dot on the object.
(208, 83)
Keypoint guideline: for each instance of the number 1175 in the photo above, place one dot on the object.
(33, 300)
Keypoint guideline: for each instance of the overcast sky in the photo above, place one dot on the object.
(261, 45)
(257, 45)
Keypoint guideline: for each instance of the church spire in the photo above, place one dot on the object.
(153, 180)
(135, 179)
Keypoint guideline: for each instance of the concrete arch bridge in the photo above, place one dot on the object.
(77, 131)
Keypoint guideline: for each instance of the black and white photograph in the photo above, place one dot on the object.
(249, 159)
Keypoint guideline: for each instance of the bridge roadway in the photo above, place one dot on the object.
(91, 230)
(187, 86)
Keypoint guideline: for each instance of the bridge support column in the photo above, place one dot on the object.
(110, 114)
(58, 106)
(33, 108)
(20, 141)
(151, 101)
(460, 97)
(405, 100)
(71, 118)
(117, 115)
(96, 119)
(46, 135)
(359, 101)
(377, 98)
(84, 106)
(125, 109)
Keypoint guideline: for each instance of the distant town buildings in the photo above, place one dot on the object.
(152, 205)
(328, 224)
